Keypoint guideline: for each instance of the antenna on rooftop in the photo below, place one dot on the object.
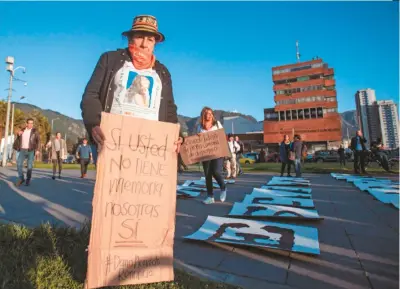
(297, 51)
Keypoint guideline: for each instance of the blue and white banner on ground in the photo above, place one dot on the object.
(188, 192)
(302, 190)
(280, 236)
(276, 193)
(275, 182)
(292, 179)
(198, 183)
(246, 209)
(278, 200)
(229, 181)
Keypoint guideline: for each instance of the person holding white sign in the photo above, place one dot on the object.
(212, 168)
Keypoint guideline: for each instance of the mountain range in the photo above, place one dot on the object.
(74, 128)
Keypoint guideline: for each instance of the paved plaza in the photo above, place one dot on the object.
(359, 236)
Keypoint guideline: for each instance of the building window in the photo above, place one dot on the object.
(320, 113)
(300, 114)
(303, 78)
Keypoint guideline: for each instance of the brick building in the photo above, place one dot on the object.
(306, 104)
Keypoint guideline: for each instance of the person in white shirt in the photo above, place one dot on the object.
(212, 168)
(26, 143)
(58, 153)
(231, 162)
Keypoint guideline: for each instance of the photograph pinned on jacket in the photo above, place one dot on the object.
(263, 234)
(204, 147)
(137, 94)
(248, 210)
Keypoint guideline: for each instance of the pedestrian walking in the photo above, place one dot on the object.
(26, 144)
(297, 148)
(231, 161)
(239, 155)
(84, 154)
(212, 168)
(357, 144)
(284, 154)
(59, 153)
(342, 156)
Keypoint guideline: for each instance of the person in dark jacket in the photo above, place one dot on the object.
(262, 155)
(358, 146)
(284, 149)
(84, 154)
(342, 156)
(26, 144)
(131, 82)
(297, 148)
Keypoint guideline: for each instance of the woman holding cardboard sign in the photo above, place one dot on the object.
(212, 168)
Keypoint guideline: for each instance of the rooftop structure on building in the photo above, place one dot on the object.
(305, 104)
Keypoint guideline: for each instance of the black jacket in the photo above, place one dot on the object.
(99, 92)
(34, 141)
(353, 143)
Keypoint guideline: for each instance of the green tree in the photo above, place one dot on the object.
(19, 118)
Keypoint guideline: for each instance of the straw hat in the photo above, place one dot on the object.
(145, 23)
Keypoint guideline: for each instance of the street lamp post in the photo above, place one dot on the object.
(10, 68)
(12, 121)
(52, 123)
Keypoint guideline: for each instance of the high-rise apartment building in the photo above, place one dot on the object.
(389, 120)
(377, 118)
(367, 114)
(305, 104)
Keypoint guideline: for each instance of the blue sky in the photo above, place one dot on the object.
(220, 54)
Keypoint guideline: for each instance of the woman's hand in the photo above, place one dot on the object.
(178, 144)
(98, 135)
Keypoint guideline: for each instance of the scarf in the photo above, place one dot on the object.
(141, 59)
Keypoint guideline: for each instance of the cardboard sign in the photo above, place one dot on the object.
(133, 222)
(204, 147)
(272, 211)
(274, 235)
